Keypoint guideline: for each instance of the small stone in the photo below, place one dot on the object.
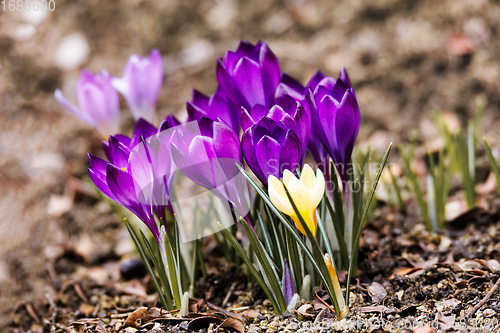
(489, 313)
(377, 292)
(72, 51)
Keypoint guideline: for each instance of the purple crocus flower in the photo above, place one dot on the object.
(208, 152)
(291, 87)
(138, 178)
(270, 147)
(335, 116)
(250, 75)
(141, 84)
(98, 102)
(213, 107)
(287, 111)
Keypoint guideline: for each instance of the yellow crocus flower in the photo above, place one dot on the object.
(305, 192)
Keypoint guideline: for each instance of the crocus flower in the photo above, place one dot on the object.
(286, 111)
(141, 84)
(213, 107)
(305, 192)
(98, 102)
(293, 88)
(270, 147)
(208, 152)
(250, 75)
(335, 117)
(142, 185)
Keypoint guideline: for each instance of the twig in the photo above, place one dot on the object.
(227, 313)
(484, 300)
(325, 304)
(229, 293)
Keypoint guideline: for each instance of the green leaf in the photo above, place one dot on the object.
(363, 220)
(258, 277)
(164, 300)
(493, 163)
(263, 257)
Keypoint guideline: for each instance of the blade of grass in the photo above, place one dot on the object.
(164, 300)
(493, 163)
(258, 277)
(363, 219)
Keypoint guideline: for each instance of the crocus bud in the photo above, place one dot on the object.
(250, 75)
(335, 117)
(141, 84)
(305, 192)
(98, 102)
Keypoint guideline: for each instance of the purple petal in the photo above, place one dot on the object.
(314, 81)
(287, 283)
(142, 128)
(290, 156)
(290, 86)
(270, 71)
(248, 150)
(267, 151)
(227, 84)
(248, 79)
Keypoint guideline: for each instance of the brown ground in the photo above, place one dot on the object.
(404, 59)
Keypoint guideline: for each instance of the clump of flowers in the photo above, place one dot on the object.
(258, 117)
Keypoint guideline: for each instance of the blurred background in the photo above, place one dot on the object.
(404, 58)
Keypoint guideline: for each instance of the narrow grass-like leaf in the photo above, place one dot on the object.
(318, 256)
(173, 270)
(415, 185)
(493, 163)
(363, 220)
(263, 258)
(258, 277)
(344, 254)
(397, 189)
(165, 302)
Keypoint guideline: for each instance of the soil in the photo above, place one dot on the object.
(66, 262)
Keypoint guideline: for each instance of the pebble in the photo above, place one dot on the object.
(489, 313)
(377, 292)
(72, 51)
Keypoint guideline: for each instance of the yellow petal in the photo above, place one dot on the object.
(318, 190)
(287, 177)
(278, 195)
(299, 194)
(307, 177)
(301, 200)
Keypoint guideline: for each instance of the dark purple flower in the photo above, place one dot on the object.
(270, 147)
(213, 107)
(250, 75)
(293, 88)
(98, 102)
(287, 111)
(141, 84)
(335, 116)
(208, 152)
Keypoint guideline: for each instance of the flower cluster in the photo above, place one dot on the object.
(258, 116)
